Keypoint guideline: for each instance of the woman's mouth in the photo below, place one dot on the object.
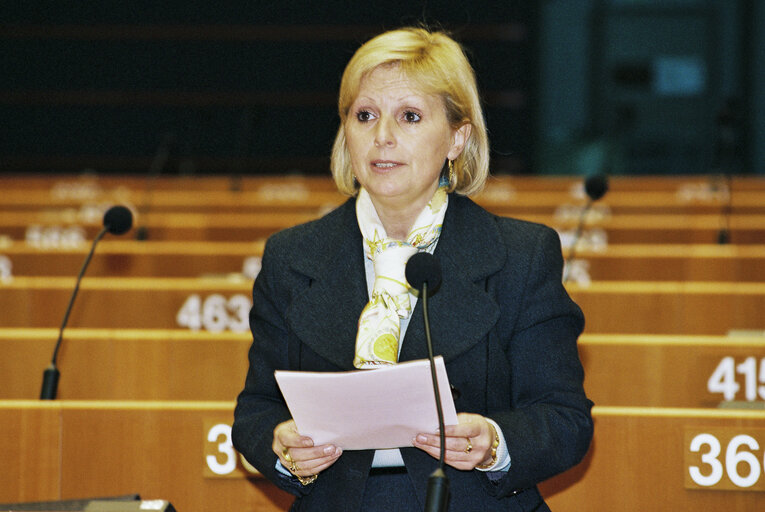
(384, 164)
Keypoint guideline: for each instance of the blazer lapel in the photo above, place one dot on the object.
(325, 316)
(461, 313)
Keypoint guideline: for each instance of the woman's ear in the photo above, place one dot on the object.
(459, 139)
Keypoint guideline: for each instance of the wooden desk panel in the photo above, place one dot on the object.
(138, 303)
(154, 449)
(130, 258)
(633, 307)
(92, 183)
(670, 371)
(636, 463)
(125, 364)
(137, 364)
(628, 307)
(248, 227)
(295, 196)
(670, 262)
(30, 451)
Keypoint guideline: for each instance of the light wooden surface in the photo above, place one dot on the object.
(89, 184)
(670, 307)
(157, 449)
(125, 364)
(126, 258)
(244, 227)
(636, 463)
(138, 364)
(628, 307)
(101, 448)
(112, 302)
(674, 262)
(664, 371)
(500, 197)
(131, 258)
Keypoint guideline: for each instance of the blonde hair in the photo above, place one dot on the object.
(438, 65)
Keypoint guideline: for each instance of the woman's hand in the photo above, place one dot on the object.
(298, 454)
(468, 444)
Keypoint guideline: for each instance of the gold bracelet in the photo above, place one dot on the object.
(305, 480)
(494, 446)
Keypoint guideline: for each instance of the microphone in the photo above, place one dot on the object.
(423, 272)
(723, 235)
(117, 220)
(595, 186)
(158, 163)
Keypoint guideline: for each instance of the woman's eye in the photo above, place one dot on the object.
(363, 116)
(411, 117)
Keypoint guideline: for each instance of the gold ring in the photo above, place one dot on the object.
(286, 454)
(294, 467)
(469, 447)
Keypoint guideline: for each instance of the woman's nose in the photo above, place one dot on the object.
(384, 135)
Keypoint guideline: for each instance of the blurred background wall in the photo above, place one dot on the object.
(247, 87)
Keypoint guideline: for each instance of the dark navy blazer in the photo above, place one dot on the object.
(501, 319)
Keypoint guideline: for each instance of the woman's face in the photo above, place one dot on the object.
(398, 139)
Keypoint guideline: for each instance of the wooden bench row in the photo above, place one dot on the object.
(500, 198)
(641, 458)
(218, 304)
(91, 184)
(143, 364)
(247, 227)
(118, 258)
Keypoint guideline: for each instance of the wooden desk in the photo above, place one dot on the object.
(671, 262)
(670, 307)
(65, 449)
(89, 184)
(248, 227)
(130, 258)
(637, 463)
(296, 196)
(213, 304)
(58, 450)
(125, 364)
(628, 307)
(175, 364)
(672, 371)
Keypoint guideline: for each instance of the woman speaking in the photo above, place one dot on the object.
(332, 296)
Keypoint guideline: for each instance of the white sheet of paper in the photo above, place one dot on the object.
(368, 409)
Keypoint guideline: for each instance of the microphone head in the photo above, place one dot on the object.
(118, 220)
(422, 268)
(596, 186)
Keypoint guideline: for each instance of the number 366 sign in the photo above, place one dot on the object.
(725, 459)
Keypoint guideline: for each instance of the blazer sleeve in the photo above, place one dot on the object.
(260, 406)
(548, 424)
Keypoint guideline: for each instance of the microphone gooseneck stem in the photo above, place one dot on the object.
(51, 374)
(433, 375)
(438, 483)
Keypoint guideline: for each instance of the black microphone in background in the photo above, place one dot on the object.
(117, 220)
(723, 234)
(726, 159)
(423, 273)
(595, 187)
(157, 165)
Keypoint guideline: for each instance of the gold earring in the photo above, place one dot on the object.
(452, 177)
